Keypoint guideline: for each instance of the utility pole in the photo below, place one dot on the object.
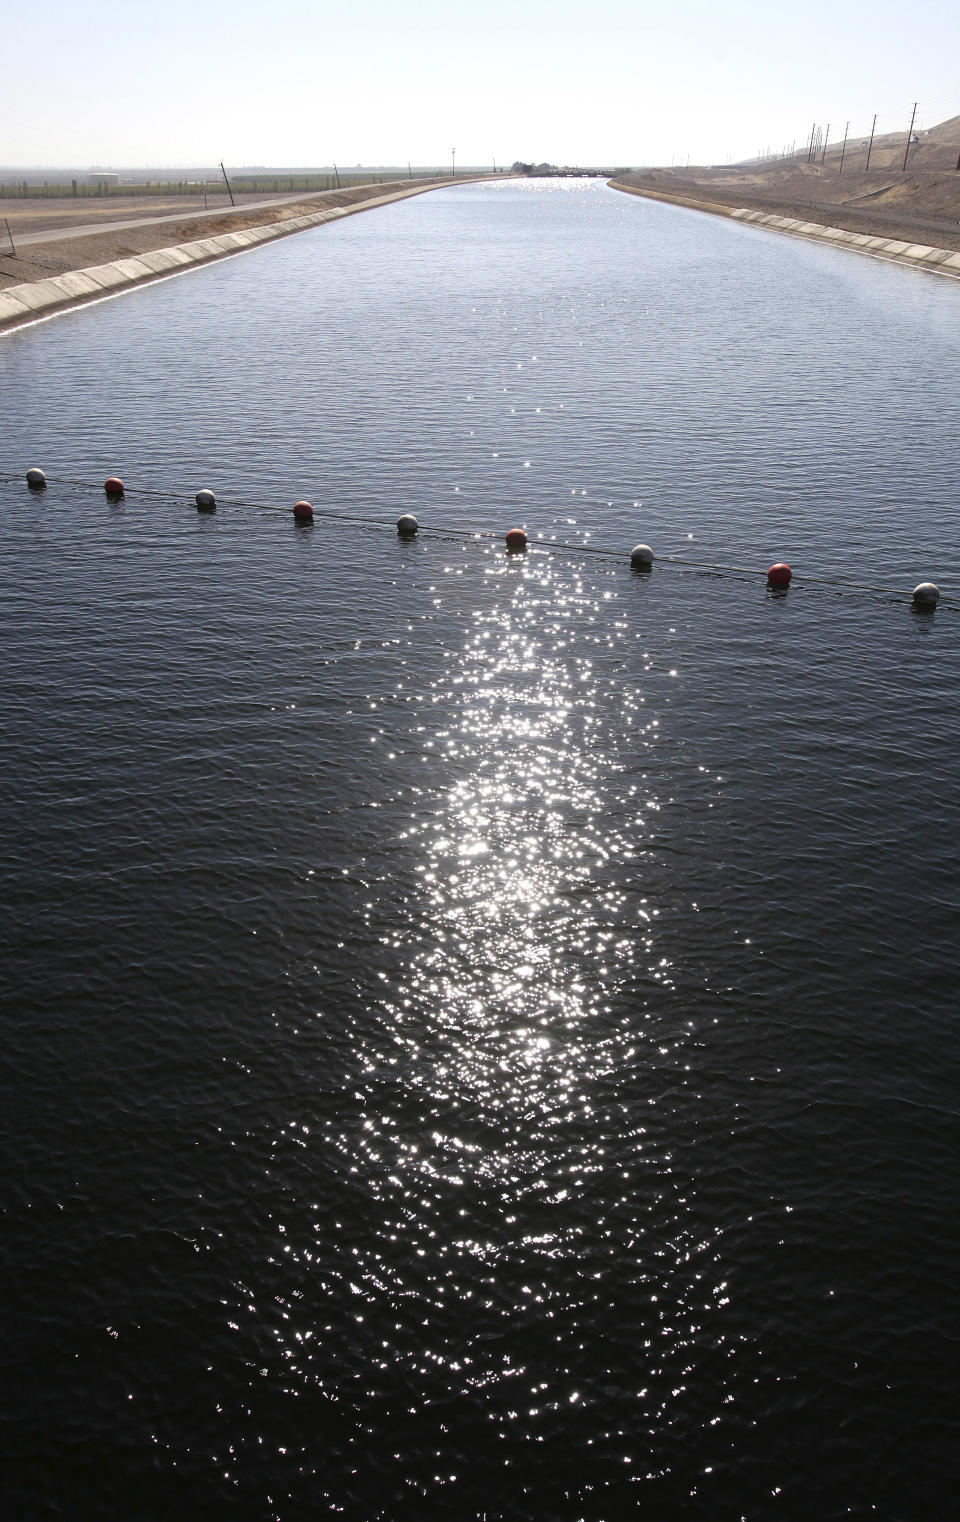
(453, 156)
(494, 163)
(810, 143)
(909, 136)
(409, 171)
(843, 150)
(227, 183)
(337, 173)
(870, 144)
(826, 139)
(10, 236)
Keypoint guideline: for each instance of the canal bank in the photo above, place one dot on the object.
(106, 264)
(939, 261)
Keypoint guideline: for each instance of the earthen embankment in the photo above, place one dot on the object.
(62, 272)
(824, 225)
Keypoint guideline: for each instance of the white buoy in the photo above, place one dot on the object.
(36, 477)
(641, 556)
(206, 501)
(407, 525)
(926, 595)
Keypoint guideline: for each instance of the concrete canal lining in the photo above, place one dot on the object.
(939, 261)
(20, 304)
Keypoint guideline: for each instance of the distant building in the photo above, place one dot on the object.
(103, 177)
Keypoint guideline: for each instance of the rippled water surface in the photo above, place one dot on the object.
(479, 1029)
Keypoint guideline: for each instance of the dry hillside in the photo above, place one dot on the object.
(920, 203)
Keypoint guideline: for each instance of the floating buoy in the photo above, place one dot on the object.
(641, 557)
(35, 477)
(516, 539)
(206, 502)
(303, 511)
(926, 595)
(779, 574)
(407, 525)
(113, 486)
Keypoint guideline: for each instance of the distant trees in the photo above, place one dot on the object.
(519, 167)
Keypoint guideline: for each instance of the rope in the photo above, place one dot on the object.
(451, 532)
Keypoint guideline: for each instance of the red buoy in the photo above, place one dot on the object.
(779, 574)
(113, 486)
(516, 539)
(303, 511)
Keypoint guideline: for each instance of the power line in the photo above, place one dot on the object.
(909, 137)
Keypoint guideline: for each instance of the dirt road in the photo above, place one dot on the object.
(56, 252)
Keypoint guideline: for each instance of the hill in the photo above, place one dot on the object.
(920, 203)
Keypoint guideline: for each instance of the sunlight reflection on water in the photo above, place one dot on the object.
(476, 1017)
(514, 1143)
(529, 942)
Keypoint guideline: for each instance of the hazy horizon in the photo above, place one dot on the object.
(121, 88)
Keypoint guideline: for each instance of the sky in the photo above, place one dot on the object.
(613, 84)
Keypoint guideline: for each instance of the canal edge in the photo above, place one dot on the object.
(36, 300)
(938, 261)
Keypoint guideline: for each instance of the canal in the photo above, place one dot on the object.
(479, 1027)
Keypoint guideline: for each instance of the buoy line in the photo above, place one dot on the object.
(779, 576)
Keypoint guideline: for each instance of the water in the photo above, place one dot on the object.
(479, 1028)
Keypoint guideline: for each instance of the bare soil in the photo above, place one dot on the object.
(34, 214)
(59, 255)
(919, 204)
